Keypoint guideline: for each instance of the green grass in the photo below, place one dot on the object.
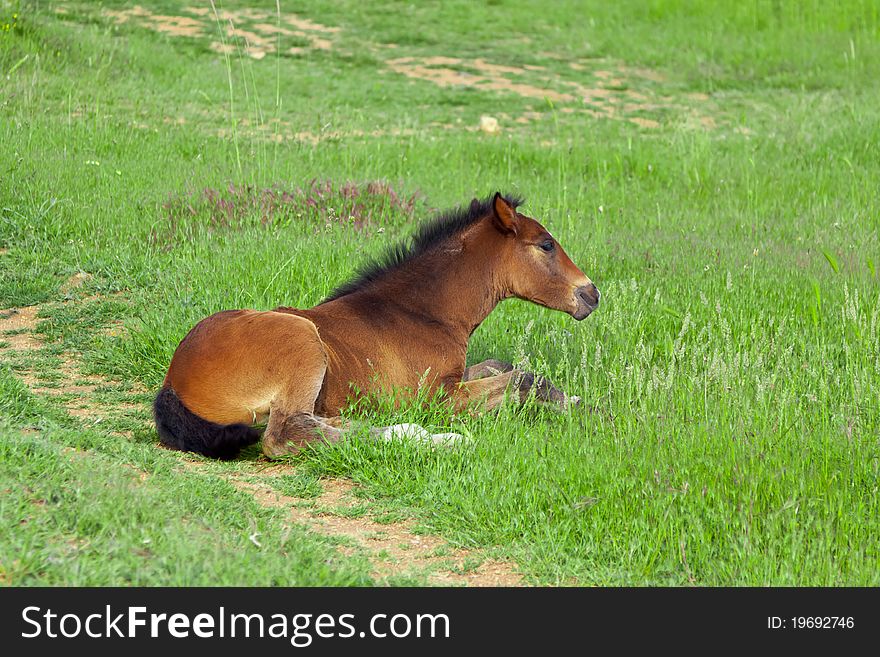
(733, 368)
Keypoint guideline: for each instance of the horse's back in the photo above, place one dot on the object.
(233, 364)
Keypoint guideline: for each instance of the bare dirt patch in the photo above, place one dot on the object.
(256, 32)
(603, 89)
(75, 281)
(393, 548)
(494, 77)
(23, 321)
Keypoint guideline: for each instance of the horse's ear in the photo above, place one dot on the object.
(475, 205)
(504, 215)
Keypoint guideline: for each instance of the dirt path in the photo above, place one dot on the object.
(394, 549)
(23, 321)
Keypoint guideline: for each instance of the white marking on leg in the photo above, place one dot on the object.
(448, 439)
(416, 433)
(405, 431)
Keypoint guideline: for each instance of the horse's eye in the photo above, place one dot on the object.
(547, 245)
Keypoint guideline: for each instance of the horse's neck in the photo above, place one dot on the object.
(445, 289)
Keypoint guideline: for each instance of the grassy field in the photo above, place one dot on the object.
(713, 167)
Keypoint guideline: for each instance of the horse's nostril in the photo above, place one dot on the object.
(589, 295)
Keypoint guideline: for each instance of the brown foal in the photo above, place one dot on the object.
(402, 325)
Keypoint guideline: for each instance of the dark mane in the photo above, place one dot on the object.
(428, 236)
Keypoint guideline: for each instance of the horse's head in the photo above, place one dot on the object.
(534, 266)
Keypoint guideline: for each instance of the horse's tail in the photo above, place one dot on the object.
(180, 428)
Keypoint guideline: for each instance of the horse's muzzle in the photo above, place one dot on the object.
(587, 297)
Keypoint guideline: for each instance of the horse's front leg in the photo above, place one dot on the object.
(545, 391)
(488, 391)
(491, 367)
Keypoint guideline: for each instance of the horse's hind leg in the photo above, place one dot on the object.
(288, 432)
(293, 431)
(291, 421)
